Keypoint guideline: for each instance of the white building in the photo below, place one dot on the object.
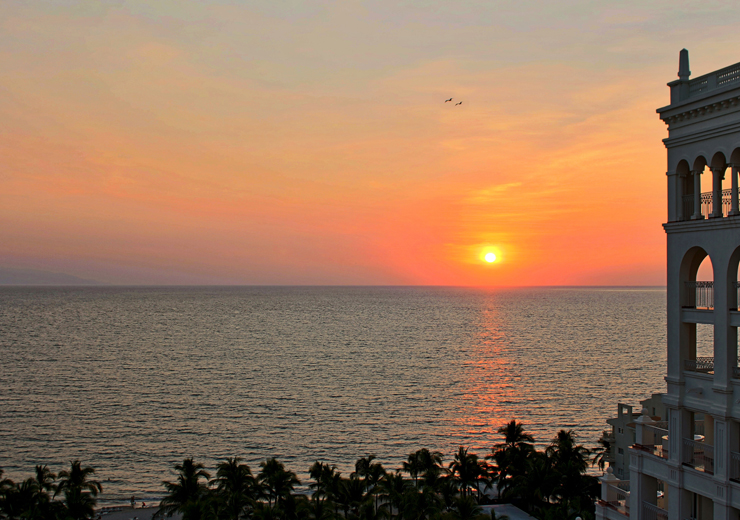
(622, 434)
(691, 469)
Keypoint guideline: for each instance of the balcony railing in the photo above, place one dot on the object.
(735, 466)
(699, 295)
(717, 79)
(618, 497)
(707, 204)
(659, 448)
(653, 512)
(698, 455)
(704, 365)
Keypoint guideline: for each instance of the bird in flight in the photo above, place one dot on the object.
(448, 100)
(460, 103)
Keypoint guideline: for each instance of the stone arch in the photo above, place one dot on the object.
(718, 160)
(732, 279)
(717, 167)
(685, 190)
(700, 162)
(692, 340)
(692, 260)
(683, 166)
(735, 156)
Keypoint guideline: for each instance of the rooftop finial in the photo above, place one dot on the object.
(683, 65)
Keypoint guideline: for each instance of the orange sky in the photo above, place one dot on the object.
(308, 143)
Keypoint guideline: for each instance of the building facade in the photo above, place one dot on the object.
(621, 435)
(689, 467)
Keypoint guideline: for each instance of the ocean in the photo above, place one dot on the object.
(132, 380)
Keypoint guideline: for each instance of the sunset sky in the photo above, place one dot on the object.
(308, 142)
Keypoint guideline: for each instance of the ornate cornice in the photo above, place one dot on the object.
(703, 110)
(703, 225)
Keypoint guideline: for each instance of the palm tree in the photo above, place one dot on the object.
(566, 452)
(446, 487)
(420, 505)
(392, 488)
(79, 492)
(465, 508)
(333, 488)
(511, 455)
(323, 476)
(17, 499)
(277, 482)
(371, 473)
(412, 466)
(514, 435)
(43, 484)
(351, 495)
(184, 495)
(430, 465)
(235, 487)
(570, 461)
(264, 512)
(5, 486)
(45, 478)
(465, 469)
(536, 484)
(602, 451)
(316, 509)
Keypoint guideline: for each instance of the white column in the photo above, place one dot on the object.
(733, 198)
(607, 481)
(643, 436)
(680, 179)
(697, 195)
(721, 451)
(717, 175)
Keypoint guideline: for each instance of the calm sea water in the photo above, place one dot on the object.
(133, 380)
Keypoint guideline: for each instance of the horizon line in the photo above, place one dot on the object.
(100, 284)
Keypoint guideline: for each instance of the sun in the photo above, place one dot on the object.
(490, 257)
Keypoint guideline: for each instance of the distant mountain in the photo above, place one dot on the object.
(36, 277)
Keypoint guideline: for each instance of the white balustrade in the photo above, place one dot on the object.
(653, 512)
(699, 455)
(734, 465)
(717, 79)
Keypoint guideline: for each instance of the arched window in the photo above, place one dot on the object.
(720, 199)
(702, 188)
(685, 190)
(697, 339)
(699, 285)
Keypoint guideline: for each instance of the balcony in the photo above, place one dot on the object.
(707, 204)
(653, 512)
(698, 455)
(698, 295)
(714, 80)
(735, 466)
(655, 439)
(618, 497)
(703, 365)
